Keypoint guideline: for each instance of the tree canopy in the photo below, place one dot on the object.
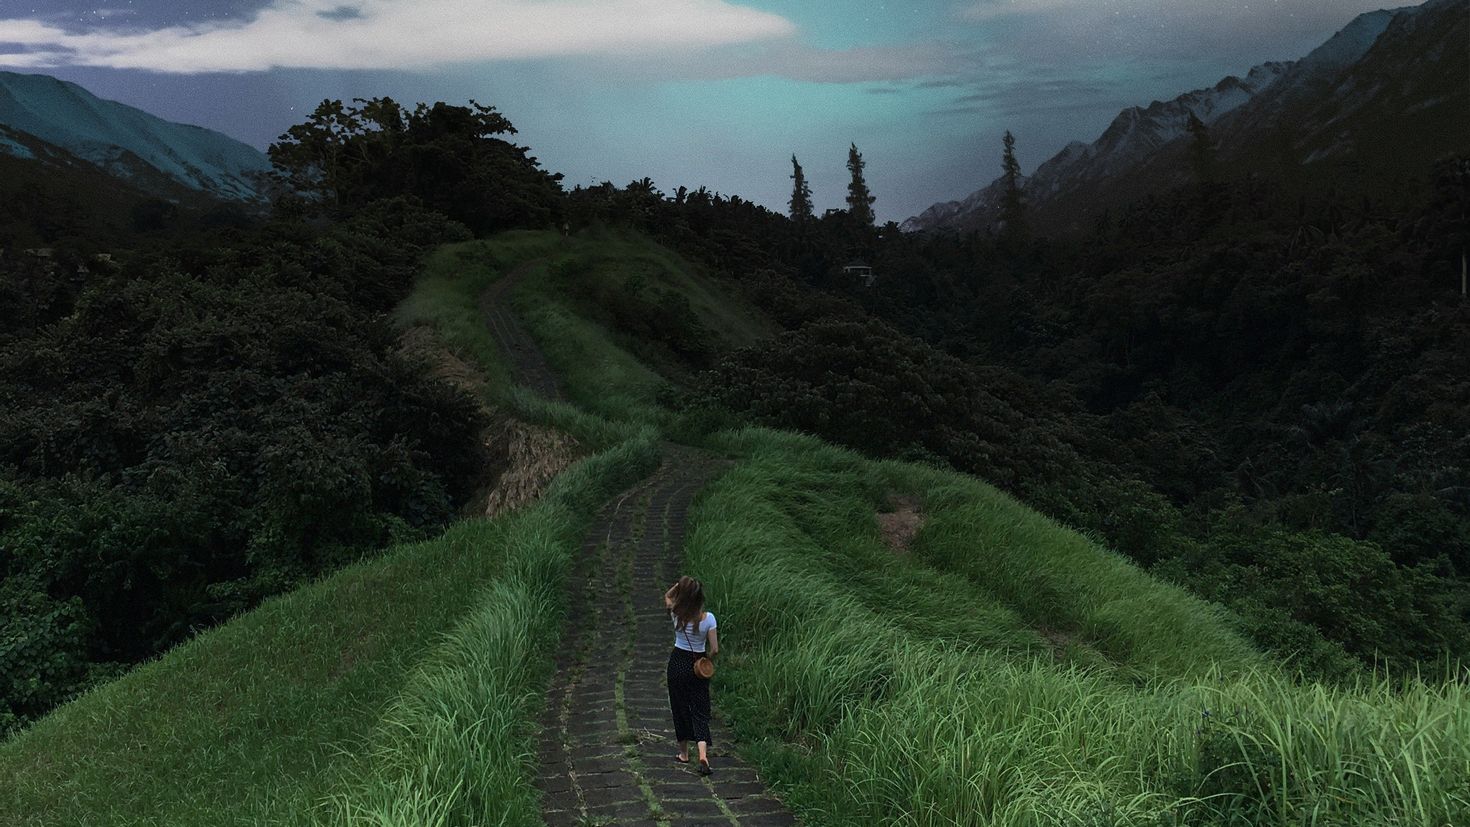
(801, 194)
(1013, 202)
(859, 199)
(453, 158)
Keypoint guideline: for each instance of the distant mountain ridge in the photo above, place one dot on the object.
(1133, 134)
(1140, 151)
(124, 141)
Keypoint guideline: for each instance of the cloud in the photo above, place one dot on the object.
(1279, 12)
(109, 13)
(940, 83)
(979, 10)
(1188, 24)
(399, 34)
(797, 61)
(1039, 92)
(864, 63)
(341, 13)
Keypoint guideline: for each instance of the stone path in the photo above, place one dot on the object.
(607, 747)
(528, 364)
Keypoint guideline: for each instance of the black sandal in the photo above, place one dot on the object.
(704, 768)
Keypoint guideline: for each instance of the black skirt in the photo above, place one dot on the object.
(688, 697)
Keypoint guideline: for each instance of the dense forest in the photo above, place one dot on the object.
(201, 408)
(1252, 390)
(1257, 392)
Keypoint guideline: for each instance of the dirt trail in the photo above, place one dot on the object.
(528, 365)
(607, 748)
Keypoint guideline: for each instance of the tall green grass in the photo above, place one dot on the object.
(254, 708)
(446, 297)
(454, 748)
(614, 258)
(596, 373)
(935, 688)
(597, 365)
(293, 709)
(604, 370)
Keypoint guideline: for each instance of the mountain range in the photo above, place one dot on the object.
(1371, 106)
(1374, 105)
(59, 123)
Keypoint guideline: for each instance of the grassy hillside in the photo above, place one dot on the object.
(993, 668)
(446, 300)
(1005, 671)
(311, 704)
(617, 315)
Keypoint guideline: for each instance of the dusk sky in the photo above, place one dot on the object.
(691, 92)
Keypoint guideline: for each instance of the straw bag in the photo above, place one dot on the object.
(703, 666)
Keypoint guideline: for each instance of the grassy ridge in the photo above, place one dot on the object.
(921, 690)
(1057, 580)
(446, 299)
(446, 296)
(599, 375)
(581, 294)
(565, 300)
(275, 694)
(294, 708)
(453, 749)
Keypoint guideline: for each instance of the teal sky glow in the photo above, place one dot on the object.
(715, 93)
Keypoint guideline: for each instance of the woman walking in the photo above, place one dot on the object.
(694, 638)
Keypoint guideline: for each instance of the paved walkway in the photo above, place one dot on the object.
(607, 747)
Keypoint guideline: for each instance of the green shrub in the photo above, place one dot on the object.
(209, 426)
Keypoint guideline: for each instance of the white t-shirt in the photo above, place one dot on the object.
(690, 639)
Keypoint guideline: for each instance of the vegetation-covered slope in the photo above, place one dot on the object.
(184, 434)
(202, 420)
(1001, 669)
(321, 705)
(204, 428)
(618, 316)
(1249, 392)
(1004, 671)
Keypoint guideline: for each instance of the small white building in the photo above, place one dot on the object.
(859, 270)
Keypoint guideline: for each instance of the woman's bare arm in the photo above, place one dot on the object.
(714, 642)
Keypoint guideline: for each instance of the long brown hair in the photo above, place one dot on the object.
(688, 602)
